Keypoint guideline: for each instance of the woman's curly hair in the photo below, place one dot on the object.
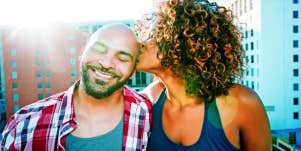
(199, 43)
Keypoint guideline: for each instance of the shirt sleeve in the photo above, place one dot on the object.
(8, 137)
(147, 126)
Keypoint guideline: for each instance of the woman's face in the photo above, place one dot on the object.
(148, 60)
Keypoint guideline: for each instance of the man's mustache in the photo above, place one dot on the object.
(103, 70)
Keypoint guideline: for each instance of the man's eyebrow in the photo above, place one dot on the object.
(127, 54)
(100, 44)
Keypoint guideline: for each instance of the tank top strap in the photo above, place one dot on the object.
(161, 98)
(158, 106)
(212, 114)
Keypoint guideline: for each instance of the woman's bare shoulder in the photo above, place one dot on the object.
(246, 97)
(253, 119)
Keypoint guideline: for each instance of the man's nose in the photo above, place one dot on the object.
(106, 62)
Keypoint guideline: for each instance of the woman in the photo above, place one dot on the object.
(195, 51)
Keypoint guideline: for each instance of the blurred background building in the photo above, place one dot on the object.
(271, 38)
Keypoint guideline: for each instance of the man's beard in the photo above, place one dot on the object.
(100, 89)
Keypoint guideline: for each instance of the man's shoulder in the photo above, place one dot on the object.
(36, 110)
(132, 96)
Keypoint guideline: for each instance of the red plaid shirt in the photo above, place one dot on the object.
(45, 124)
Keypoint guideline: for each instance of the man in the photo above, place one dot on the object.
(97, 112)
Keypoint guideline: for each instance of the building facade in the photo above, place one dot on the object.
(2, 88)
(39, 63)
(272, 41)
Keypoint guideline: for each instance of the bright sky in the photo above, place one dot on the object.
(35, 12)
(220, 2)
(43, 11)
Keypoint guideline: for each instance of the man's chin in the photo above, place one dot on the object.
(102, 90)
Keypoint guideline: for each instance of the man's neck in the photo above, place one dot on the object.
(90, 105)
(95, 117)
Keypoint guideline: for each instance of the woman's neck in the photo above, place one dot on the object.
(176, 91)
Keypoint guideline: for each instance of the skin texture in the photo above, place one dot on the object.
(108, 60)
(243, 117)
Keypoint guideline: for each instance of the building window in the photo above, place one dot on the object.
(245, 6)
(252, 72)
(13, 52)
(48, 95)
(46, 63)
(14, 85)
(72, 50)
(246, 34)
(48, 85)
(295, 14)
(14, 75)
(236, 8)
(15, 97)
(39, 74)
(252, 59)
(71, 38)
(295, 29)
(295, 1)
(73, 73)
(295, 58)
(46, 50)
(13, 64)
(246, 46)
(295, 43)
(296, 72)
(129, 82)
(296, 101)
(12, 42)
(38, 51)
(40, 96)
(296, 87)
(16, 108)
(252, 46)
(94, 28)
(40, 85)
(251, 4)
(38, 63)
(269, 108)
(296, 115)
(252, 32)
(252, 85)
(240, 7)
(140, 78)
(47, 73)
(72, 61)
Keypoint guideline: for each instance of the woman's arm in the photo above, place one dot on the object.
(255, 133)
